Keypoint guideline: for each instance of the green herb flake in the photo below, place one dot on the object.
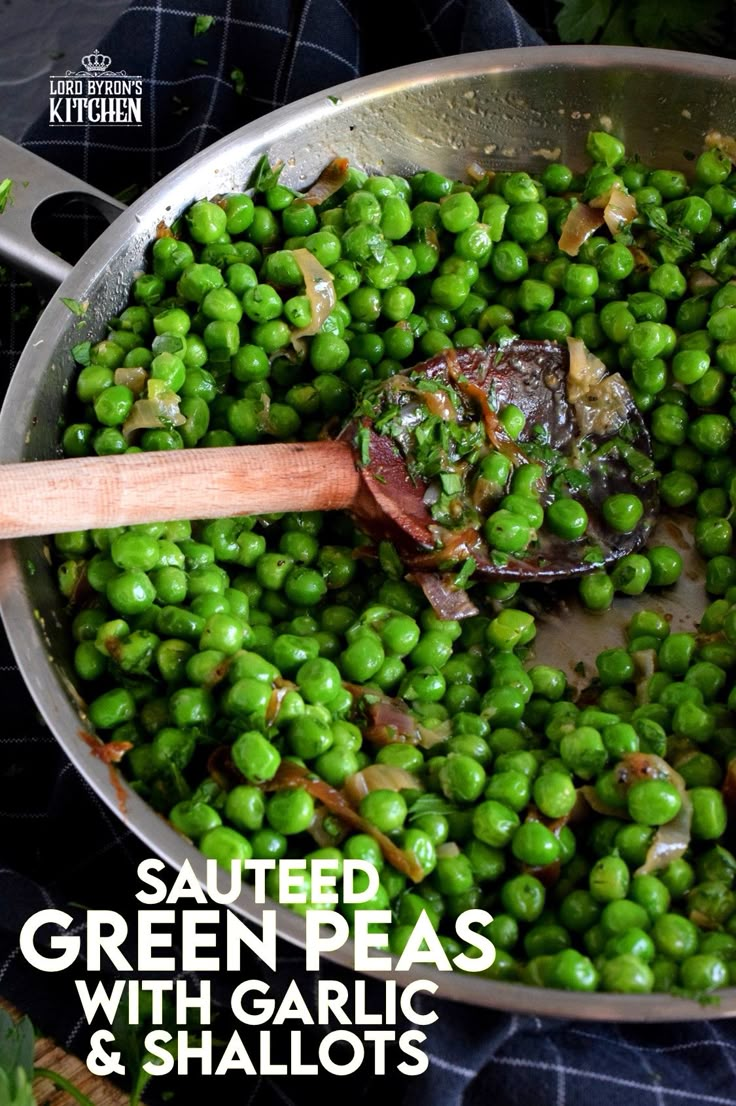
(451, 483)
(5, 193)
(202, 24)
(677, 238)
(363, 444)
(334, 99)
(383, 422)
(390, 561)
(74, 306)
(462, 578)
(81, 353)
(264, 175)
(237, 76)
(594, 556)
(199, 61)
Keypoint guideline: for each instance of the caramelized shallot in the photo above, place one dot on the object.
(379, 777)
(134, 377)
(319, 287)
(619, 208)
(601, 400)
(581, 222)
(330, 180)
(161, 411)
(726, 143)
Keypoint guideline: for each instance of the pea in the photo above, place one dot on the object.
(597, 591)
(526, 222)
(194, 818)
(609, 879)
(462, 778)
(675, 937)
(523, 898)
(290, 812)
(654, 802)
(206, 221)
(554, 794)
(567, 518)
(509, 263)
(628, 974)
(622, 512)
(709, 813)
(112, 708)
(245, 808)
(494, 823)
(255, 757)
(535, 845)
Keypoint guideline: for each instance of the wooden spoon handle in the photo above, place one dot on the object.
(50, 497)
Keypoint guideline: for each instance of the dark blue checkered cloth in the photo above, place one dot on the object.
(58, 844)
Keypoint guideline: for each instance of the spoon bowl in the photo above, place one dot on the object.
(581, 431)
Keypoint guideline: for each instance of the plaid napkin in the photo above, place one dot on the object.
(59, 845)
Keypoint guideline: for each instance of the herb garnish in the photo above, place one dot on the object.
(6, 187)
(202, 24)
(77, 308)
(264, 175)
(462, 578)
(81, 353)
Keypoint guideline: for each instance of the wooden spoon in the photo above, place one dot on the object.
(369, 472)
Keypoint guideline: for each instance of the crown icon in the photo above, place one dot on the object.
(96, 62)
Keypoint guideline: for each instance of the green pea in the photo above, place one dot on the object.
(194, 818)
(609, 879)
(494, 823)
(675, 937)
(709, 813)
(225, 845)
(567, 518)
(523, 898)
(535, 845)
(255, 757)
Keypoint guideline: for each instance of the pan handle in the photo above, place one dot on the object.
(34, 181)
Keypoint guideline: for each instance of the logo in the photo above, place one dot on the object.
(96, 95)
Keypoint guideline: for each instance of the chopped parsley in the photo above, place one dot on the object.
(74, 306)
(81, 353)
(719, 261)
(674, 243)
(462, 578)
(390, 561)
(6, 197)
(237, 76)
(363, 444)
(264, 175)
(594, 556)
(202, 24)
(570, 479)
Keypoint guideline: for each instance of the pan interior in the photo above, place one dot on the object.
(504, 110)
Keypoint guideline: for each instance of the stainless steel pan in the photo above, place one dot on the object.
(504, 109)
